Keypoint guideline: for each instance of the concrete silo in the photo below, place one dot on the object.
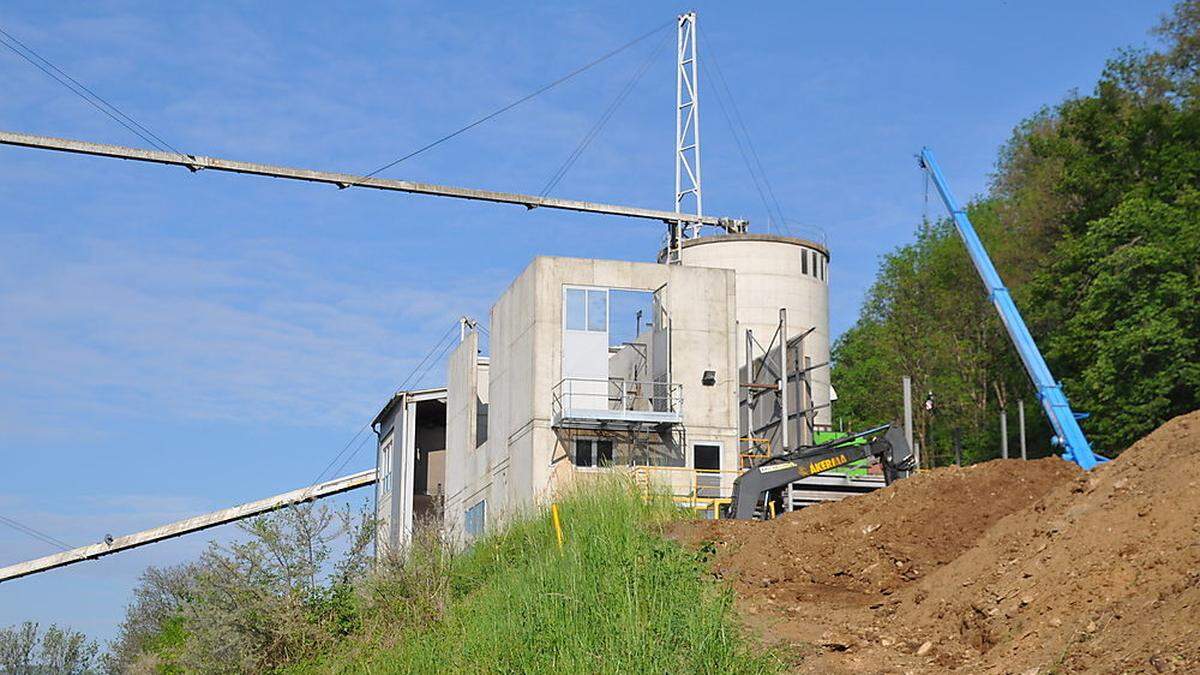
(776, 272)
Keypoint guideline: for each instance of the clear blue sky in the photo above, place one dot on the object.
(172, 343)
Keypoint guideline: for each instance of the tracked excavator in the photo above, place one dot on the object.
(761, 484)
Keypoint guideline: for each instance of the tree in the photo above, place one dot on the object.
(24, 650)
(1091, 219)
(274, 598)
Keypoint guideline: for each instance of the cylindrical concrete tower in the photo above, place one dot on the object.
(774, 272)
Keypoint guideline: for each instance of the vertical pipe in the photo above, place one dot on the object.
(1003, 433)
(908, 423)
(1021, 424)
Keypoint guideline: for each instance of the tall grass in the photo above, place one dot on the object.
(618, 597)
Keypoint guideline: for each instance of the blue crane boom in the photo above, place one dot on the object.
(1065, 422)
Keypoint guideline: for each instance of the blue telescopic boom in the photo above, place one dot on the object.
(1066, 426)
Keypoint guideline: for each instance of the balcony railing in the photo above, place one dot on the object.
(581, 401)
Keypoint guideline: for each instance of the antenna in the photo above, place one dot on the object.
(687, 130)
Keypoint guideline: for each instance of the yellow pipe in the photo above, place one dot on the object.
(557, 525)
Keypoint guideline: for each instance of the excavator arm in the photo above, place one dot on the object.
(886, 443)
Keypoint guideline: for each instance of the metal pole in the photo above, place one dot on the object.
(1003, 434)
(1021, 424)
(908, 419)
(783, 382)
(783, 394)
(749, 392)
(345, 180)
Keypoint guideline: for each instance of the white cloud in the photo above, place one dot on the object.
(166, 329)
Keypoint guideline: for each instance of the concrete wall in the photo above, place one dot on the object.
(468, 467)
(525, 460)
(770, 276)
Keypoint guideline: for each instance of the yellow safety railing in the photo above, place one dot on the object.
(700, 489)
(759, 449)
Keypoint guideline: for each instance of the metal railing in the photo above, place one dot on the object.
(699, 489)
(616, 399)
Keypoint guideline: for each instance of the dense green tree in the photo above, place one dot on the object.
(1092, 219)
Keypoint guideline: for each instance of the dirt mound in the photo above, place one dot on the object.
(1006, 566)
(857, 549)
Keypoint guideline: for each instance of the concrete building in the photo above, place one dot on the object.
(410, 464)
(675, 370)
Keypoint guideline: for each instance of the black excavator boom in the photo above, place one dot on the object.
(887, 443)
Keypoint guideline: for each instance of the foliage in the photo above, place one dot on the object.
(26, 650)
(617, 598)
(1092, 220)
(277, 597)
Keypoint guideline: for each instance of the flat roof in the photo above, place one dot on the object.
(433, 394)
(747, 236)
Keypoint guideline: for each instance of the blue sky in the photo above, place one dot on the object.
(172, 343)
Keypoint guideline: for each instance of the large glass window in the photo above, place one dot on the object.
(586, 309)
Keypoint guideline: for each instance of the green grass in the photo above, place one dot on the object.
(618, 598)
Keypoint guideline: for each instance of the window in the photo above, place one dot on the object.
(804, 261)
(586, 309)
(813, 262)
(593, 452)
(706, 456)
(476, 518)
(576, 309)
(597, 310)
(706, 460)
(384, 469)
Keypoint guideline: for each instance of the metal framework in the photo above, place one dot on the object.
(687, 120)
(687, 141)
(344, 180)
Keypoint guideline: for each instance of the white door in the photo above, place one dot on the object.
(585, 349)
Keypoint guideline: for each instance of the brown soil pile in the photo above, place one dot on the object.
(1006, 566)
